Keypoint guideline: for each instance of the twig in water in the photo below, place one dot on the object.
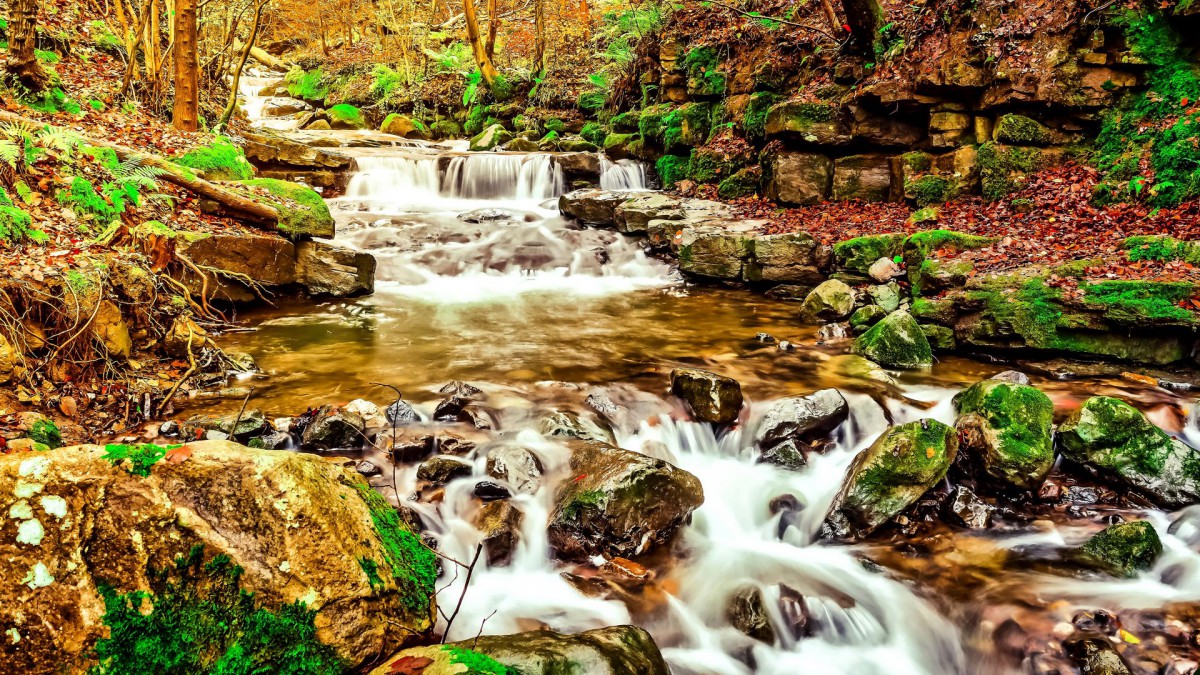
(238, 420)
(481, 624)
(461, 596)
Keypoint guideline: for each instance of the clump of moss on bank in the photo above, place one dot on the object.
(413, 565)
(220, 160)
(302, 212)
(201, 621)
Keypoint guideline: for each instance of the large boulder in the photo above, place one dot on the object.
(890, 476)
(800, 179)
(833, 300)
(490, 137)
(616, 650)
(591, 206)
(791, 258)
(800, 417)
(710, 397)
(326, 268)
(1114, 440)
(619, 503)
(302, 212)
(1004, 431)
(1127, 548)
(896, 342)
(333, 428)
(113, 550)
(714, 249)
(864, 177)
(401, 125)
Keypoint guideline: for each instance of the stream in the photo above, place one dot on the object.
(479, 279)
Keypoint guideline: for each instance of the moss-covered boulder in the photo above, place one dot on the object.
(149, 559)
(346, 116)
(221, 160)
(1005, 433)
(709, 396)
(929, 275)
(686, 127)
(446, 129)
(817, 123)
(896, 342)
(858, 254)
(491, 137)
(1016, 129)
(402, 125)
(742, 183)
(1114, 440)
(865, 317)
(619, 503)
(890, 476)
(302, 212)
(1127, 548)
(833, 300)
(616, 650)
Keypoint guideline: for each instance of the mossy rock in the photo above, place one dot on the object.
(490, 138)
(1116, 441)
(1002, 168)
(1161, 247)
(620, 146)
(302, 212)
(754, 120)
(858, 254)
(865, 317)
(686, 127)
(943, 311)
(930, 189)
(220, 160)
(672, 168)
(346, 116)
(891, 475)
(896, 342)
(1005, 433)
(704, 77)
(920, 246)
(652, 123)
(594, 133)
(626, 122)
(940, 338)
(404, 126)
(743, 183)
(833, 300)
(1016, 129)
(1127, 548)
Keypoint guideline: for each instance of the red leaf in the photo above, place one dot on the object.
(410, 665)
(178, 455)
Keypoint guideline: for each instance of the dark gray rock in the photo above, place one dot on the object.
(800, 417)
(710, 397)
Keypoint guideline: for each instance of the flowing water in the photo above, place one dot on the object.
(479, 279)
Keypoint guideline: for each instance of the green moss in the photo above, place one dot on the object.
(140, 457)
(1021, 417)
(704, 78)
(384, 82)
(369, 566)
(672, 169)
(1021, 130)
(686, 126)
(46, 432)
(743, 183)
(17, 226)
(413, 565)
(626, 122)
(652, 122)
(755, 119)
(593, 132)
(591, 102)
(345, 114)
(1162, 247)
(858, 254)
(938, 311)
(201, 621)
(1142, 303)
(865, 317)
(91, 206)
(311, 85)
(476, 118)
(940, 337)
(619, 141)
(1001, 168)
(1126, 547)
(105, 157)
(929, 189)
(920, 246)
(897, 341)
(917, 162)
(302, 212)
(475, 662)
(581, 502)
(709, 165)
(221, 160)
(53, 100)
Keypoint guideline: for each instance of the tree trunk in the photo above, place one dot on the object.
(481, 57)
(237, 73)
(23, 65)
(493, 28)
(539, 42)
(835, 27)
(186, 115)
(865, 18)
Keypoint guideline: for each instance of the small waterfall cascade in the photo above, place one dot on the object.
(623, 174)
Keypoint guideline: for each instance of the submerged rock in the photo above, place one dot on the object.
(616, 650)
(618, 502)
(799, 417)
(710, 397)
(896, 342)
(1004, 432)
(568, 424)
(115, 521)
(890, 476)
(1126, 547)
(747, 612)
(833, 300)
(1114, 440)
(251, 423)
(1095, 655)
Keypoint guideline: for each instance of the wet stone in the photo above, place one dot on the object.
(747, 612)
(489, 492)
(500, 522)
(710, 397)
(488, 216)
(460, 389)
(367, 468)
(786, 455)
(401, 413)
(440, 470)
(965, 509)
(517, 466)
(1097, 621)
(1095, 655)
(794, 608)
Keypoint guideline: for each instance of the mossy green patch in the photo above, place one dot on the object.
(17, 225)
(1017, 422)
(652, 122)
(593, 132)
(896, 341)
(704, 77)
(310, 85)
(475, 662)
(413, 564)
(1141, 303)
(201, 621)
(46, 432)
(754, 122)
(743, 183)
(1163, 248)
(1020, 130)
(220, 160)
(302, 212)
(672, 169)
(345, 115)
(929, 189)
(1003, 167)
(920, 246)
(587, 499)
(141, 457)
(858, 254)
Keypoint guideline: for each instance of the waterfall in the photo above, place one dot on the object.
(381, 176)
(624, 174)
(500, 175)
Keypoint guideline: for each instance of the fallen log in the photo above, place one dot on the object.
(235, 203)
